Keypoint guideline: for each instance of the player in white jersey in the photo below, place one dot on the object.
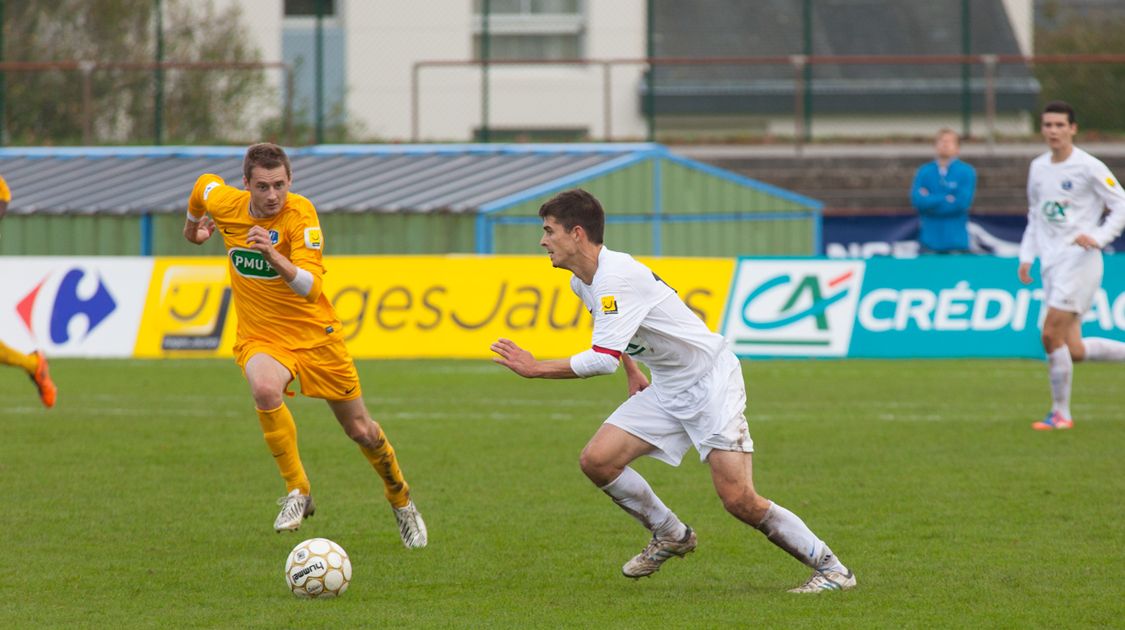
(1067, 192)
(696, 397)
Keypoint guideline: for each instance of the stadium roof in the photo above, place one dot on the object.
(339, 178)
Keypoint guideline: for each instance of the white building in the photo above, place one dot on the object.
(372, 48)
(399, 70)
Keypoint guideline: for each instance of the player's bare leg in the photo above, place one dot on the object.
(268, 379)
(358, 425)
(732, 474)
(605, 460)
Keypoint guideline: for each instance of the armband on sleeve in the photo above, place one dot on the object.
(595, 362)
(305, 285)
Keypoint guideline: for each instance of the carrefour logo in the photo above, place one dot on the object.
(794, 307)
(67, 305)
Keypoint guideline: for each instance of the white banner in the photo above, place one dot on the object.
(74, 307)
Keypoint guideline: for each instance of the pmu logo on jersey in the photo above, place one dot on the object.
(793, 307)
(250, 263)
(69, 311)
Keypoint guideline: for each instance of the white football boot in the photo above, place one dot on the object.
(648, 561)
(822, 581)
(411, 527)
(295, 507)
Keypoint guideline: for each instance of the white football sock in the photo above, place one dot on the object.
(1060, 369)
(635, 496)
(1102, 349)
(786, 530)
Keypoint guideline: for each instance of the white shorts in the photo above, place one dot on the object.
(1071, 282)
(708, 415)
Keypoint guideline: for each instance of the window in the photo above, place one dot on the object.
(294, 8)
(530, 29)
(298, 49)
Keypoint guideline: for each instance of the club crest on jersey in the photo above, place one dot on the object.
(1067, 184)
(273, 237)
(314, 239)
(609, 305)
(1109, 181)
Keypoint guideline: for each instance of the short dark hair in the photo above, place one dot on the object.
(266, 155)
(1059, 107)
(577, 207)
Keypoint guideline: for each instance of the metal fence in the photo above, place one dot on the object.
(971, 91)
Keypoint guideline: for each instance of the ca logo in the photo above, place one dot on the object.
(808, 285)
(792, 307)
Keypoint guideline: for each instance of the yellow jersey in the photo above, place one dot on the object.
(268, 310)
(5, 192)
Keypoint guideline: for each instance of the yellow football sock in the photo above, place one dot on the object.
(383, 460)
(281, 435)
(9, 356)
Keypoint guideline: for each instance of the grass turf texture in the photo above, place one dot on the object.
(145, 499)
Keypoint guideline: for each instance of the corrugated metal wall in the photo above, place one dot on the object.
(120, 235)
(693, 204)
(697, 210)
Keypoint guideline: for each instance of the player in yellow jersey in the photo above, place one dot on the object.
(35, 364)
(287, 328)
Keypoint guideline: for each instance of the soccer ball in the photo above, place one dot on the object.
(318, 567)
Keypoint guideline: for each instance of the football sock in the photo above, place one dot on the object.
(385, 463)
(10, 356)
(1102, 349)
(786, 530)
(1060, 369)
(633, 494)
(281, 436)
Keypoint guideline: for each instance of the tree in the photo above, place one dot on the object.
(117, 105)
(1093, 89)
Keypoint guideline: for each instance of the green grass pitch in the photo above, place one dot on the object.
(146, 499)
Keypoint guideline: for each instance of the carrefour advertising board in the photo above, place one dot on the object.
(932, 306)
(73, 306)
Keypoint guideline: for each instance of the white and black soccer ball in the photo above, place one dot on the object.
(319, 568)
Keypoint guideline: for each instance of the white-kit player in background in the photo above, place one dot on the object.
(1067, 192)
(697, 396)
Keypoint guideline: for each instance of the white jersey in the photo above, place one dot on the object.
(635, 312)
(1066, 199)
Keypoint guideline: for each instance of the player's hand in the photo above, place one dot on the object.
(514, 358)
(199, 231)
(1025, 273)
(1087, 242)
(637, 380)
(258, 238)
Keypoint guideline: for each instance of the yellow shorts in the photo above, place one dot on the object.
(326, 371)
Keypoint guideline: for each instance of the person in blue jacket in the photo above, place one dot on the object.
(942, 194)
